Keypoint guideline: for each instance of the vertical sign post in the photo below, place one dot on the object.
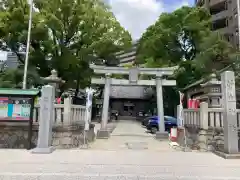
(229, 113)
(46, 121)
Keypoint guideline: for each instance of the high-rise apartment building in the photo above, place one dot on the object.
(225, 18)
(128, 56)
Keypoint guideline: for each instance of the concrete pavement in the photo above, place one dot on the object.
(112, 160)
(115, 165)
(131, 135)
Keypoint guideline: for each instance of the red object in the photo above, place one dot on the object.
(173, 134)
(59, 100)
(197, 103)
(190, 103)
(194, 103)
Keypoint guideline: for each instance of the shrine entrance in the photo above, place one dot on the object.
(128, 108)
(160, 80)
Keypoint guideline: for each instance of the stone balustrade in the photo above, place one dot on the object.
(64, 115)
(192, 118)
(67, 132)
(205, 128)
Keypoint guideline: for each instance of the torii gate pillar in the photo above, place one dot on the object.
(160, 109)
(103, 133)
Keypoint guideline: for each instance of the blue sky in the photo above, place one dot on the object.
(137, 15)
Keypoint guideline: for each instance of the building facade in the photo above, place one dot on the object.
(127, 57)
(225, 17)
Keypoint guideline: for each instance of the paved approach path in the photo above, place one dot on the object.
(116, 165)
(131, 135)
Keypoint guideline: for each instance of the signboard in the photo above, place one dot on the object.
(17, 105)
(14, 108)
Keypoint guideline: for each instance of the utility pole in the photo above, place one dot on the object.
(28, 45)
(238, 16)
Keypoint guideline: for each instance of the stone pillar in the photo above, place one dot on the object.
(229, 114)
(67, 111)
(103, 132)
(203, 115)
(160, 109)
(46, 121)
(202, 134)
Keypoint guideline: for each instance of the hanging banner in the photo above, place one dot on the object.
(89, 92)
(180, 118)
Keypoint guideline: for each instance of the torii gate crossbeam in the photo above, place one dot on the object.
(133, 81)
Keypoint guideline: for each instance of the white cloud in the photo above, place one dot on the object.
(137, 15)
(176, 6)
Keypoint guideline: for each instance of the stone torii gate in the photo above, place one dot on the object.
(132, 81)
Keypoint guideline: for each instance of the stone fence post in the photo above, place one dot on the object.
(203, 115)
(202, 134)
(67, 111)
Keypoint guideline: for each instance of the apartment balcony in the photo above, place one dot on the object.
(199, 2)
(215, 2)
(127, 59)
(225, 30)
(220, 15)
(125, 55)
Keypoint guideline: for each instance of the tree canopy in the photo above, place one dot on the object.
(184, 38)
(65, 35)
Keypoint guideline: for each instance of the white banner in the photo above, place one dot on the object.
(89, 92)
(180, 118)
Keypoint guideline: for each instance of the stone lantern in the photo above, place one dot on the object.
(212, 92)
(54, 81)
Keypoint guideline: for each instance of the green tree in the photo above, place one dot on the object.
(215, 53)
(184, 38)
(12, 78)
(174, 37)
(65, 34)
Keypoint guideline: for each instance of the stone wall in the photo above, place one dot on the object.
(15, 136)
(203, 140)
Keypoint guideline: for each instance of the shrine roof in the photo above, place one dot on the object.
(203, 80)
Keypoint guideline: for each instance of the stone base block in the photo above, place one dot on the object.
(162, 135)
(103, 134)
(227, 156)
(43, 150)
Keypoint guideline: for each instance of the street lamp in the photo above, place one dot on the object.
(28, 45)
